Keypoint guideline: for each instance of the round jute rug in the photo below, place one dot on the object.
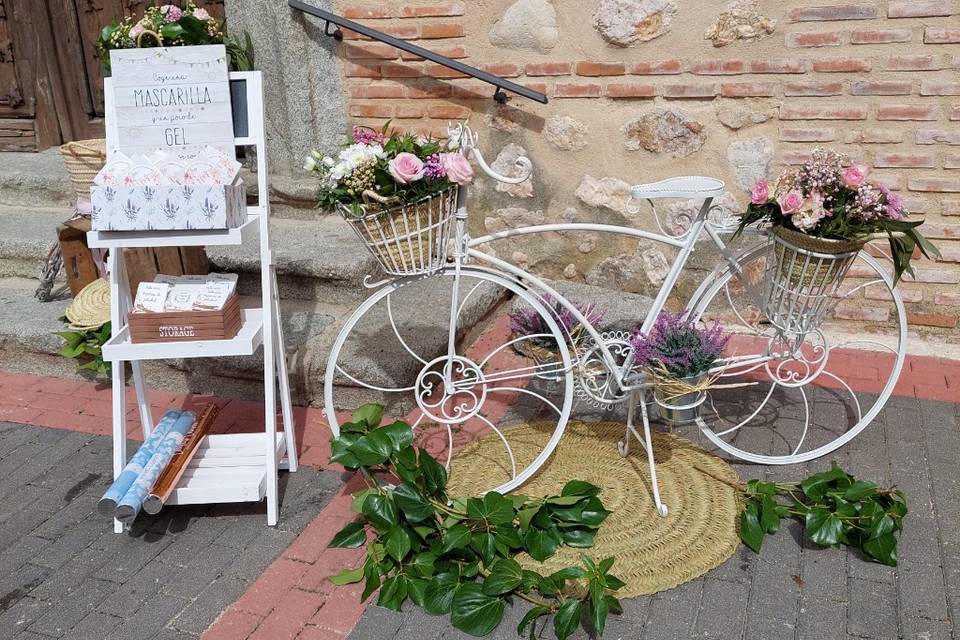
(652, 553)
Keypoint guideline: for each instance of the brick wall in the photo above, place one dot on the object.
(878, 80)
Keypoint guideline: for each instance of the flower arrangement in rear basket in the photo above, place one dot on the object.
(823, 199)
(382, 168)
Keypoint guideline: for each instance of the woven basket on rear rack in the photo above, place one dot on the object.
(803, 276)
(407, 239)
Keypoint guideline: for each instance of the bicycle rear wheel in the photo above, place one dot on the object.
(801, 396)
(393, 349)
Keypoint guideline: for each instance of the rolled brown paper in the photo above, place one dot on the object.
(168, 479)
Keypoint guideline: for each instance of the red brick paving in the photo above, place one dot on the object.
(293, 597)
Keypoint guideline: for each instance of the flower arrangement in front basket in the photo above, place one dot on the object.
(379, 168)
(678, 355)
(541, 345)
(168, 25)
(824, 199)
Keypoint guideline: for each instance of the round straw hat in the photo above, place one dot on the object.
(90, 308)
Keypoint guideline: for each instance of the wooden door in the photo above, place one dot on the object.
(51, 81)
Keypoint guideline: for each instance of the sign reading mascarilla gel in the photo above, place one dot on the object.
(176, 99)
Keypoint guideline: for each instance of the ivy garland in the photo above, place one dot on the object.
(836, 508)
(456, 556)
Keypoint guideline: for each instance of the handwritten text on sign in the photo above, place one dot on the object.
(176, 99)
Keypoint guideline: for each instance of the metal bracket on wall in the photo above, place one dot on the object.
(339, 22)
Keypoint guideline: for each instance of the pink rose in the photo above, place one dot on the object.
(790, 202)
(457, 167)
(760, 193)
(170, 12)
(201, 14)
(854, 176)
(406, 168)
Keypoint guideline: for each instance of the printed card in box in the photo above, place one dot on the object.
(167, 207)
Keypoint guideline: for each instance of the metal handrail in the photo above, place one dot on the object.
(373, 34)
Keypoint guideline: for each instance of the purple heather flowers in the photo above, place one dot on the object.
(527, 322)
(676, 343)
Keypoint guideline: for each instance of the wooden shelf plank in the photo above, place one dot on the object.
(247, 341)
(227, 468)
(198, 238)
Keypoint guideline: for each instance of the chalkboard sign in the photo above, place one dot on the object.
(176, 99)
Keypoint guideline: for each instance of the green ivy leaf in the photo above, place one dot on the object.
(372, 449)
(817, 485)
(567, 619)
(457, 537)
(357, 499)
(823, 526)
(526, 515)
(579, 538)
(505, 576)
(509, 537)
(485, 544)
(434, 474)
(380, 511)
(568, 573)
(474, 612)
(411, 503)
(613, 604)
(599, 609)
(579, 488)
(400, 434)
(540, 544)
(351, 536)
(347, 576)
(750, 530)
(171, 30)
(370, 413)
(859, 490)
(438, 596)
(423, 564)
(593, 513)
(530, 618)
(398, 543)
(416, 590)
(882, 549)
(769, 517)
(372, 583)
(393, 592)
(493, 508)
(340, 451)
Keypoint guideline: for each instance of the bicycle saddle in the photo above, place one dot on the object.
(680, 187)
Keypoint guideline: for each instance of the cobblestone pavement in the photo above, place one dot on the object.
(798, 591)
(65, 574)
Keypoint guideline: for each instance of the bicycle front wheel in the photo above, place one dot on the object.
(394, 350)
(794, 397)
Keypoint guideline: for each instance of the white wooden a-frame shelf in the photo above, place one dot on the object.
(239, 467)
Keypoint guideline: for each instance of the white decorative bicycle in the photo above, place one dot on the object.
(775, 298)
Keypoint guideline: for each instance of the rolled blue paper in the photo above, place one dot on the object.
(129, 506)
(139, 460)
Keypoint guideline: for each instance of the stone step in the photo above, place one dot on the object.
(310, 329)
(315, 260)
(35, 179)
(41, 180)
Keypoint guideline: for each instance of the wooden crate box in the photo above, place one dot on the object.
(184, 326)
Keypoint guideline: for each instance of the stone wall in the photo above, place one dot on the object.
(645, 89)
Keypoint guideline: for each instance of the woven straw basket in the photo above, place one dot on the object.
(407, 239)
(794, 263)
(84, 159)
